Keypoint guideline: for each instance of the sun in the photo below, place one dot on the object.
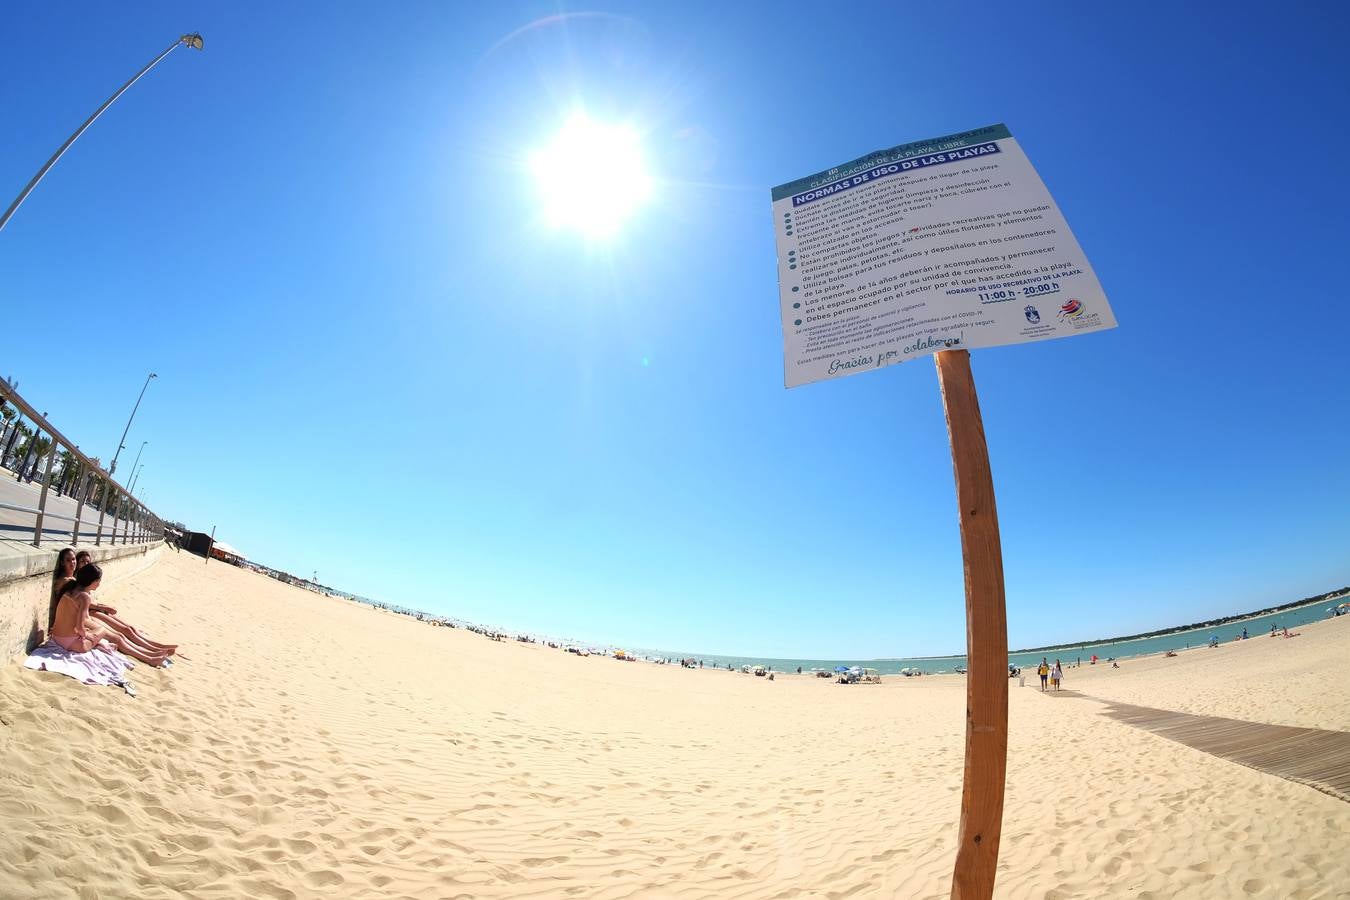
(592, 176)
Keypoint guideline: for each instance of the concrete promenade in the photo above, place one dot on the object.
(16, 525)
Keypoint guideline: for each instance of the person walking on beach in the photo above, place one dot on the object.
(1056, 675)
(1043, 670)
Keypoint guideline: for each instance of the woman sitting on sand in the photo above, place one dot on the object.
(106, 615)
(74, 629)
(64, 571)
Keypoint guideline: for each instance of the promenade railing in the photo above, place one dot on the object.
(80, 479)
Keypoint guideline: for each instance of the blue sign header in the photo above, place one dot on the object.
(965, 154)
(882, 158)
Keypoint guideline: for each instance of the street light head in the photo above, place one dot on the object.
(193, 40)
(153, 375)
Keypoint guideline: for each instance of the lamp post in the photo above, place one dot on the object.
(135, 473)
(190, 40)
(134, 470)
(122, 444)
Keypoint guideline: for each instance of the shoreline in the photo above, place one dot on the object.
(1161, 643)
(1329, 597)
(1121, 647)
(653, 653)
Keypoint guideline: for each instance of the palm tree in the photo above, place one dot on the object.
(22, 450)
(37, 447)
(69, 465)
(11, 446)
(7, 416)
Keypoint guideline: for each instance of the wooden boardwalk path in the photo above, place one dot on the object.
(1312, 756)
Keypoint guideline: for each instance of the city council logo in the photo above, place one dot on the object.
(1033, 314)
(1072, 309)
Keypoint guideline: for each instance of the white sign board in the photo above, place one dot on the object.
(948, 243)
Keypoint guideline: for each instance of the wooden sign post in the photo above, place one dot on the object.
(936, 247)
(986, 635)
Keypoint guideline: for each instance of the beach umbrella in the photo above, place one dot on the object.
(841, 669)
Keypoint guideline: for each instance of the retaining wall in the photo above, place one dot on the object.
(26, 586)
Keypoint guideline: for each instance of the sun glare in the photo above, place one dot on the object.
(591, 176)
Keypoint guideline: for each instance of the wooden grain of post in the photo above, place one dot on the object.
(986, 635)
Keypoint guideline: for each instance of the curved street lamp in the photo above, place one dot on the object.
(193, 40)
(122, 444)
(134, 470)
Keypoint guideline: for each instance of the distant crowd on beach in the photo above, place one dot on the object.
(1051, 675)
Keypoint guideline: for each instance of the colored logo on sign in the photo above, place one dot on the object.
(1071, 309)
(1033, 314)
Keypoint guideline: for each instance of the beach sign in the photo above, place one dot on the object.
(936, 247)
(952, 242)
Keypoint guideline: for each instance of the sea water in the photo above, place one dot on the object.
(1258, 628)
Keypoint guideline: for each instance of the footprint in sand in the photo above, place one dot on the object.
(323, 878)
(194, 842)
(110, 813)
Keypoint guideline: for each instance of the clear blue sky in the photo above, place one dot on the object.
(377, 363)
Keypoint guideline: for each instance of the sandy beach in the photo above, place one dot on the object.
(314, 747)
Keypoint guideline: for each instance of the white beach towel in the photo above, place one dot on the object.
(97, 666)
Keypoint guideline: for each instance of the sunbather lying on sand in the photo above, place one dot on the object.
(74, 630)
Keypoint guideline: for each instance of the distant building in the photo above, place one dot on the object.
(225, 553)
(196, 542)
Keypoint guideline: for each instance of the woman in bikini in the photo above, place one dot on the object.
(64, 571)
(74, 629)
(106, 615)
